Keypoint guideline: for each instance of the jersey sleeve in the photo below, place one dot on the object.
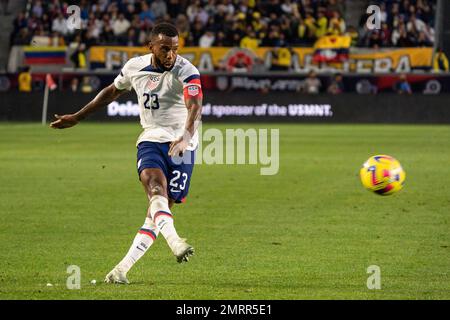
(189, 75)
(123, 81)
(190, 78)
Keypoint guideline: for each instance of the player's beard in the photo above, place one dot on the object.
(160, 65)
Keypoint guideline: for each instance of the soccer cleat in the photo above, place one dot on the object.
(117, 276)
(182, 250)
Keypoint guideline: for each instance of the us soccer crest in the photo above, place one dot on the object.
(153, 81)
(193, 90)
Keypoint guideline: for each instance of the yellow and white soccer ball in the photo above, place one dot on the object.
(383, 175)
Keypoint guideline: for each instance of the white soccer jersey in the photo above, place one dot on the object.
(160, 95)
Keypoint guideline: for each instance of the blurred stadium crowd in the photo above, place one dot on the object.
(228, 23)
(406, 23)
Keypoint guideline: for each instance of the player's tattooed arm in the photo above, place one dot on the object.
(194, 106)
(103, 98)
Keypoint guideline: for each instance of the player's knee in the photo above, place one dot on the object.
(153, 183)
(156, 187)
(156, 190)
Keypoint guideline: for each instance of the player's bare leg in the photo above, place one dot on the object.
(155, 185)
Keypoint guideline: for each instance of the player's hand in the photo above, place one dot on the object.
(178, 147)
(65, 121)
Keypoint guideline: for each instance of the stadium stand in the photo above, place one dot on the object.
(224, 22)
(267, 46)
(233, 36)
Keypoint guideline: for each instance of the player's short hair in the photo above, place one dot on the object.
(164, 28)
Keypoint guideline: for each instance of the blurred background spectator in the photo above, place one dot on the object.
(78, 57)
(337, 85)
(207, 40)
(281, 59)
(440, 61)
(86, 86)
(402, 86)
(311, 84)
(74, 83)
(25, 80)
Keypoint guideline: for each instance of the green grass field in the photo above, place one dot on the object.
(72, 197)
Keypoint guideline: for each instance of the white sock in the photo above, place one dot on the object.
(141, 243)
(162, 216)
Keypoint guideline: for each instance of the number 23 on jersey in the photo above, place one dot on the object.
(151, 101)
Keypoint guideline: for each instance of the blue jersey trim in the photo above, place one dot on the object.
(194, 76)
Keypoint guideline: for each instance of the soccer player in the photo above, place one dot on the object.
(170, 99)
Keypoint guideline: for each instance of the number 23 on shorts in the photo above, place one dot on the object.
(178, 181)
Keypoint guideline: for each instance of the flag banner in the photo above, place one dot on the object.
(44, 55)
(333, 49)
(221, 59)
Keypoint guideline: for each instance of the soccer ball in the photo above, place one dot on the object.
(383, 175)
